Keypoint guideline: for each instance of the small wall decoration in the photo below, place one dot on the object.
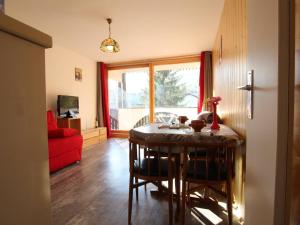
(221, 50)
(2, 6)
(78, 73)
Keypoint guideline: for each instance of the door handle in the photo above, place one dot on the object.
(247, 87)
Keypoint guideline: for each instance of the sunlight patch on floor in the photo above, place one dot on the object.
(209, 215)
(197, 218)
(123, 142)
(236, 210)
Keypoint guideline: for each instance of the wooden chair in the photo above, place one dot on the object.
(207, 165)
(156, 168)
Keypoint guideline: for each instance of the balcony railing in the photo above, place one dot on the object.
(128, 118)
(114, 123)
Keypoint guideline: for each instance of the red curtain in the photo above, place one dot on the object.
(104, 88)
(201, 82)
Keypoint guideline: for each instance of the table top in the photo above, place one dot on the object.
(152, 133)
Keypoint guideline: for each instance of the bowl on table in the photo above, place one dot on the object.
(197, 125)
(182, 119)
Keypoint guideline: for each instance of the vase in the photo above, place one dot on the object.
(215, 125)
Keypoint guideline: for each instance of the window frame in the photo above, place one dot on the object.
(150, 65)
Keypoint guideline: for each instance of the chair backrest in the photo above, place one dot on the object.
(207, 163)
(151, 160)
(161, 117)
(51, 121)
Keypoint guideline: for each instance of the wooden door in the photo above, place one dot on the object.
(266, 147)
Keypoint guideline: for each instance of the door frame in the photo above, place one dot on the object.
(291, 99)
(286, 82)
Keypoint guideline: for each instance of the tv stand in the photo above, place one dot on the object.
(69, 117)
(65, 122)
(70, 114)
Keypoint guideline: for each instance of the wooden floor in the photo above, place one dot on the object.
(95, 192)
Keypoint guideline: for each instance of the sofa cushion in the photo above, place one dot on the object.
(143, 169)
(60, 146)
(214, 172)
(62, 132)
(51, 121)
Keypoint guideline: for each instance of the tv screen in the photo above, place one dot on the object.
(67, 103)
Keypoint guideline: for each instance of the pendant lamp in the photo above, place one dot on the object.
(109, 45)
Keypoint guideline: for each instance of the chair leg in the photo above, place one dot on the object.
(229, 202)
(228, 187)
(188, 193)
(183, 199)
(130, 199)
(177, 184)
(205, 194)
(183, 192)
(170, 190)
(159, 185)
(136, 189)
(170, 202)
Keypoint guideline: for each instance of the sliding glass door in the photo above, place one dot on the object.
(176, 91)
(128, 99)
(153, 93)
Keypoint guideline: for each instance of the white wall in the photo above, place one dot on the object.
(24, 169)
(60, 69)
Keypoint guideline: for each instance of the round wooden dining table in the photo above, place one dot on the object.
(158, 132)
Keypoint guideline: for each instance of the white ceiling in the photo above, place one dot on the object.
(144, 28)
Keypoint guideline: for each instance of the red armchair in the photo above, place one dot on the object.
(64, 144)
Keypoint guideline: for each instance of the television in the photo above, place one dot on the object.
(67, 106)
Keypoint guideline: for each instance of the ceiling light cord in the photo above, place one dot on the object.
(109, 31)
(109, 20)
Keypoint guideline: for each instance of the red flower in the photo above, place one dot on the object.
(214, 100)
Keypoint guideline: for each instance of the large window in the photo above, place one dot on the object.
(127, 99)
(176, 91)
(154, 93)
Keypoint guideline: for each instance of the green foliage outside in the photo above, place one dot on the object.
(169, 92)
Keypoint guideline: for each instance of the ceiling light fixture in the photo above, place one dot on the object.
(109, 44)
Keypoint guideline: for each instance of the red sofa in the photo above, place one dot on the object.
(64, 144)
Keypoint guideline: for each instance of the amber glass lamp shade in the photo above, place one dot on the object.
(110, 45)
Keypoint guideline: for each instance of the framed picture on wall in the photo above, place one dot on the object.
(78, 74)
(1, 6)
